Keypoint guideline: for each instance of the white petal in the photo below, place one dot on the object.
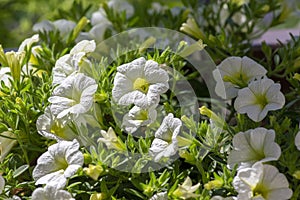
(2, 184)
(154, 74)
(84, 46)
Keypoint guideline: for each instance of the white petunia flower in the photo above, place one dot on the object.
(160, 196)
(235, 73)
(6, 144)
(297, 140)
(2, 184)
(50, 127)
(258, 98)
(140, 82)
(51, 193)
(186, 190)
(261, 182)
(138, 117)
(73, 62)
(73, 96)
(252, 146)
(61, 161)
(165, 143)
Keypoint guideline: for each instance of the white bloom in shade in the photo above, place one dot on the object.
(235, 73)
(74, 96)
(51, 193)
(62, 25)
(73, 62)
(258, 98)
(50, 127)
(140, 82)
(138, 117)
(186, 190)
(6, 143)
(261, 182)
(165, 143)
(223, 198)
(2, 184)
(297, 140)
(160, 196)
(121, 6)
(61, 161)
(252, 146)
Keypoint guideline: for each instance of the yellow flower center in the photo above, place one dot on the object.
(260, 190)
(141, 85)
(58, 129)
(240, 80)
(262, 100)
(142, 115)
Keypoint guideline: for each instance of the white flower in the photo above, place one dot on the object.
(50, 127)
(297, 140)
(51, 193)
(252, 146)
(73, 96)
(76, 61)
(160, 196)
(234, 73)
(140, 82)
(121, 6)
(111, 140)
(165, 143)
(261, 182)
(6, 143)
(27, 43)
(5, 76)
(186, 190)
(258, 98)
(2, 184)
(61, 161)
(138, 117)
(62, 25)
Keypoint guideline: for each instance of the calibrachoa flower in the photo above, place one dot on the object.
(138, 117)
(74, 96)
(186, 190)
(111, 140)
(252, 146)
(50, 127)
(140, 82)
(6, 143)
(73, 62)
(61, 161)
(235, 73)
(261, 182)
(51, 193)
(160, 196)
(165, 143)
(258, 98)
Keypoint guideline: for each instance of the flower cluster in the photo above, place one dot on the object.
(246, 80)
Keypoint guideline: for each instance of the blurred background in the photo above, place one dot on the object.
(18, 16)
